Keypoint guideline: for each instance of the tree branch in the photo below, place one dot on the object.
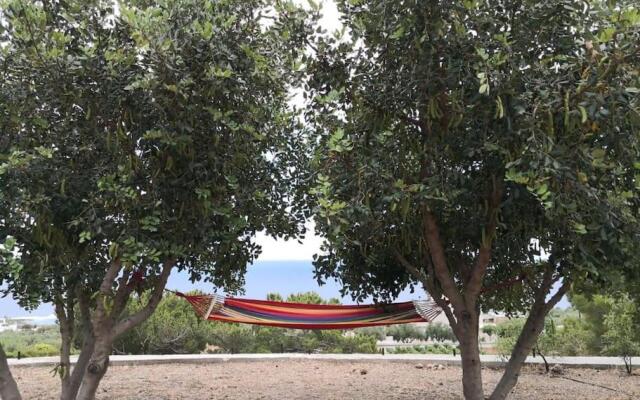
(140, 316)
(110, 276)
(566, 284)
(474, 286)
(440, 268)
(429, 287)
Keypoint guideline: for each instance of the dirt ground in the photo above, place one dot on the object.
(308, 380)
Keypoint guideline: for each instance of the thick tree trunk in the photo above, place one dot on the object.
(470, 354)
(8, 387)
(96, 368)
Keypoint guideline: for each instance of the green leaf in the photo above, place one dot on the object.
(583, 114)
(579, 228)
(398, 33)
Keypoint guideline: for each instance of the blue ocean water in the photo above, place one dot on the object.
(284, 277)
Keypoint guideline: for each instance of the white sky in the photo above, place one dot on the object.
(281, 250)
(291, 250)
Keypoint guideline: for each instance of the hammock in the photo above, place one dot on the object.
(309, 316)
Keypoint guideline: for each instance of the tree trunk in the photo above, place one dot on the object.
(65, 364)
(470, 354)
(96, 369)
(529, 335)
(106, 327)
(65, 321)
(85, 353)
(8, 387)
(526, 340)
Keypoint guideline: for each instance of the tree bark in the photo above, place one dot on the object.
(106, 327)
(8, 387)
(97, 367)
(528, 337)
(88, 342)
(470, 354)
(66, 319)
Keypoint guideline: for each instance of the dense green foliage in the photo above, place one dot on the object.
(420, 115)
(622, 337)
(433, 331)
(165, 133)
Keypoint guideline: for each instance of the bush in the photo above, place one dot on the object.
(40, 350)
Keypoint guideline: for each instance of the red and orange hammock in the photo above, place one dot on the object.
(309, 316)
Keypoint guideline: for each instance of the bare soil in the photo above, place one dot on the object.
(308, 380)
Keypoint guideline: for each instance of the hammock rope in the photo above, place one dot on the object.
(309, 316)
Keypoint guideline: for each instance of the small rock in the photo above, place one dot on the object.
(363, 371)
(440, 383)
(557, 369)
(419, 366)
(440, 367)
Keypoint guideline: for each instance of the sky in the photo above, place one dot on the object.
(284, 266)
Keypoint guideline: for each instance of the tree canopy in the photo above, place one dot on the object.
(139, 140)
(462, 145)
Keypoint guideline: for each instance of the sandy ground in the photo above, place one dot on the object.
(308, 380)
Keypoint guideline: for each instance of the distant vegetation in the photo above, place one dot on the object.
(600, 325)
(38, 342)
(436, 348)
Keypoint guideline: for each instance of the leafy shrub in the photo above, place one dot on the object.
(40, 350)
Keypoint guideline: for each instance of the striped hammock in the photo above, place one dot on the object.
(310, 316)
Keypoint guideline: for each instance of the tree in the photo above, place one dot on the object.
(405, 333)
(274, 297)
(489, 330)
(310, 298)
(140, 142)
(621, 337)
(593, 309)
(509, 331)
(440, 332)
(467, 147)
